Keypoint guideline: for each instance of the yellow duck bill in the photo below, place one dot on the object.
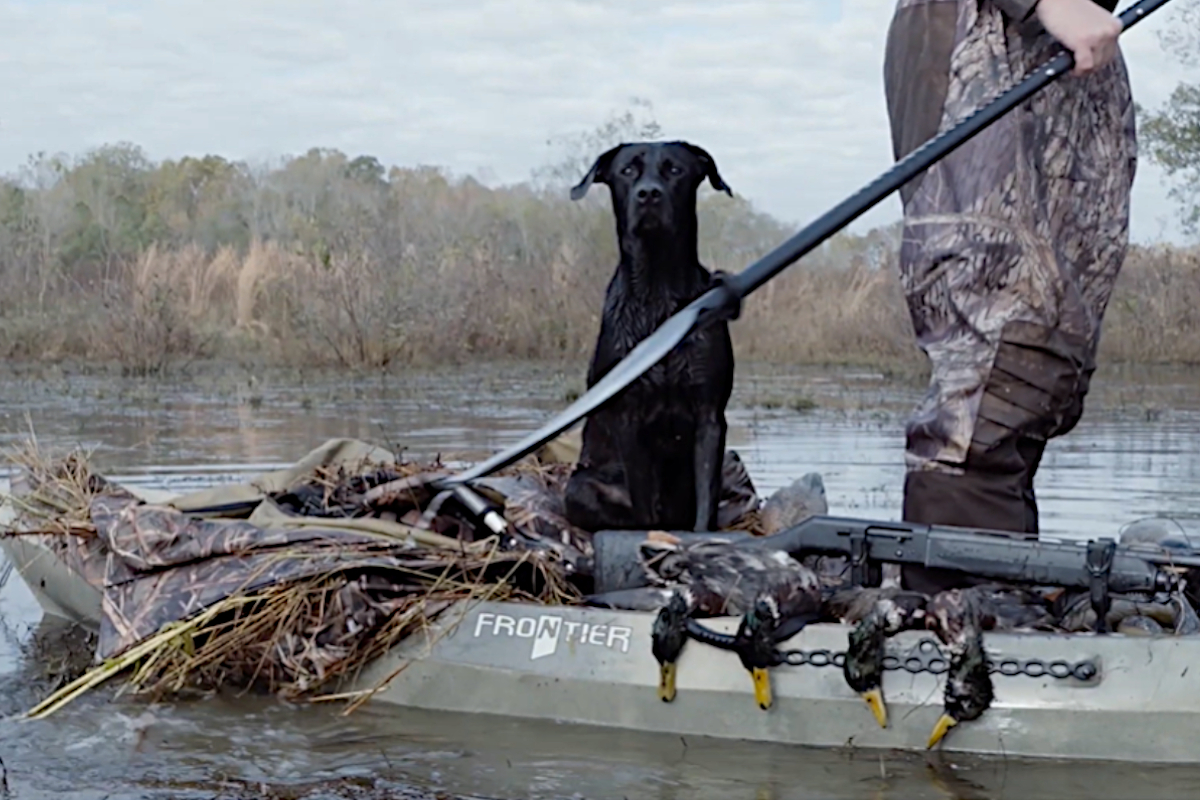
(762, 687)
(944, 724)
(666, 682)
(874, 698)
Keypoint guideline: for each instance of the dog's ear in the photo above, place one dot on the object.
(599, 173)
(710, 168)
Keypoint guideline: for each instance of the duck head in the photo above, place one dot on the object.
(892, 612)
(668, 636)
(957, 619)
(968, 693)
(863, 667)
(755, 645)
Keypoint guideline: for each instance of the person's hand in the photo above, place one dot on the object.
(1084, 28)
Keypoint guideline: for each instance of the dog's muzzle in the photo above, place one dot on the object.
(649, 209)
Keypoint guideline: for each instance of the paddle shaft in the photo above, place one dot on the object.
(915, 163)
(713, 304)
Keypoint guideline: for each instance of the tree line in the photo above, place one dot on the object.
(328, 258)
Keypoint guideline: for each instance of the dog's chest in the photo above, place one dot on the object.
(635, 310)
(684, 368)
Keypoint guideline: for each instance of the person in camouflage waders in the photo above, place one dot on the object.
(1011, 244)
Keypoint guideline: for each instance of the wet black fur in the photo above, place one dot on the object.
(652, 457)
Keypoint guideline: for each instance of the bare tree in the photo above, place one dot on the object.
(575, 152)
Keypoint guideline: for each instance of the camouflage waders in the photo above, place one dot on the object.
(1012, 245)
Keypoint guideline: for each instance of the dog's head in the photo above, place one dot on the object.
(653, 184)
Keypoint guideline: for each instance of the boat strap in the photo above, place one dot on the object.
(858, 559)
(1099, 565)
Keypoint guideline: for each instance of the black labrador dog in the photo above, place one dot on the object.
(652, 457)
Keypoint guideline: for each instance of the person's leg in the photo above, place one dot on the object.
(1011, 247)
(1017, 415)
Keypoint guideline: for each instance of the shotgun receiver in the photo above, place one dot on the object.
(1101, 564)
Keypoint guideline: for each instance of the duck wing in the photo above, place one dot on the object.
(796, 588)
(850, 605)
(1007, 608)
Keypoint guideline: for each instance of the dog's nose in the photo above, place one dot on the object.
(649, 193)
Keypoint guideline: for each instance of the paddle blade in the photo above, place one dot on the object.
(650, 351)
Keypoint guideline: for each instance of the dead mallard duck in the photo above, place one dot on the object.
(956, 617)
(775, 595)
(877, 614)
(880, 613)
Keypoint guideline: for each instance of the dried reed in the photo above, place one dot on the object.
(295, 637)
(56, 491)
(512, 278)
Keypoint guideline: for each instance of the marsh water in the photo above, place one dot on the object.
(1136, 454)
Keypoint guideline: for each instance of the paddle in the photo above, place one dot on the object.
(724, 300)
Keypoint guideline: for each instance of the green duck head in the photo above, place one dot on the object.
(668, 636)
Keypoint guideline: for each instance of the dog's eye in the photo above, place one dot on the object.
(675, 169)
(627, 169)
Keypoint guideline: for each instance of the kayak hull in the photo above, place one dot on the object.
(60, 591)
(594, 666)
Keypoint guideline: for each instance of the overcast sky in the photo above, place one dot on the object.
(787, 94)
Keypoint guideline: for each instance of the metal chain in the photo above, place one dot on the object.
(927, 656)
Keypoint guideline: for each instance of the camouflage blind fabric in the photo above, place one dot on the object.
(154, 564)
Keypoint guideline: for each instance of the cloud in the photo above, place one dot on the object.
(787, 95)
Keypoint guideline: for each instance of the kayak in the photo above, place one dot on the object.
(592, 666)
(1063, 696)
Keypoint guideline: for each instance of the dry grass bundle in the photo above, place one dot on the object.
(297, 617)
(340, 490)
(52, 495)
(292, 639)
(198, 606)
(353, 490)
(295, 638)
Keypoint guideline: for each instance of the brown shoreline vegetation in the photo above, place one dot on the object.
(328, 261)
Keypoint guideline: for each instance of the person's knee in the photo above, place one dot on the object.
(1034, 390)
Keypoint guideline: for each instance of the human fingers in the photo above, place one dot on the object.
(1085, 61)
